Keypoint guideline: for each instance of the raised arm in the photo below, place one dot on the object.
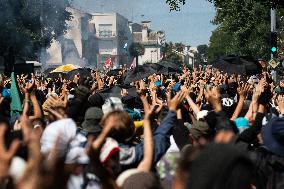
(191, 103)
(94, 154)
(27, 91)
(242, 91)
(146, 163)
(36, 107)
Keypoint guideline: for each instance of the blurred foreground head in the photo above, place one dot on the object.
(135, 179)
(221, 166)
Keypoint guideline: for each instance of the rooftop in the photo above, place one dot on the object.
(136, 27)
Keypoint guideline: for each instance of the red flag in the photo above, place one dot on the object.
(133, 64)
(107, 63)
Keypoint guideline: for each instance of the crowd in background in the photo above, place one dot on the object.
(198, 129)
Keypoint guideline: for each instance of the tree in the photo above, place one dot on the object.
(267, 3)
(280, 16)
(243, 29)
(175, 5)
(170, 52)
(202, 55)
(179, 47)
(202, 49)
(136, 50)
(220, 45)
(29, 25)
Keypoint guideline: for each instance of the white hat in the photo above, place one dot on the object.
(63, 130)
(111, 104)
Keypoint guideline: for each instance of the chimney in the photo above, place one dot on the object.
(145, 29)
(146, 24)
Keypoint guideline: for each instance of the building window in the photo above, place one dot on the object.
(105, 30)
(106, 46)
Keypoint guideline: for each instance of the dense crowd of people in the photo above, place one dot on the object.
(198, 129)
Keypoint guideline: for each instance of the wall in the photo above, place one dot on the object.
(76, 46)
(107, 45)
(112, 40)
(152, 54)
(124, 37)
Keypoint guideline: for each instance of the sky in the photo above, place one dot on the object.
(190, 26)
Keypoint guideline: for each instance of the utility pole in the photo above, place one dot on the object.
(273, 24)
(273, 40)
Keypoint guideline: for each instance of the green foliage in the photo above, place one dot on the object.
(280, 16)
(29, 25)
(202, 49)
(243, 29)
(179, 47)
(220, 44)
(136, 49)
(169, 52)
(175, 5)
(267, 3)
(202, 55)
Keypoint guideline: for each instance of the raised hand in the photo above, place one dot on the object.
(58, 115)
(280, 102)
(6, 155)
(214, 98)
(184, 89)
(243, 90)
(30, 85)
(149, 114)
(57, 102)
(176, 101)
(257, 92)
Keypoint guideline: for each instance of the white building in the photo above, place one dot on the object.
(113, 38)
(189, 55)
(151, 40)
(90, 40)
(76, 46)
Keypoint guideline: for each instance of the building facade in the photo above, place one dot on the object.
(92, 39)
(113, 38)
(77, 46)
(152, 41)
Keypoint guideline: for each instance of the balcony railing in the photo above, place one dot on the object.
(108, 51)
(106, 34)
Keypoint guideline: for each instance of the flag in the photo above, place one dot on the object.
(16, 103)
(162, 56)
(133, 64)
(125, 46)
(107, 63)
